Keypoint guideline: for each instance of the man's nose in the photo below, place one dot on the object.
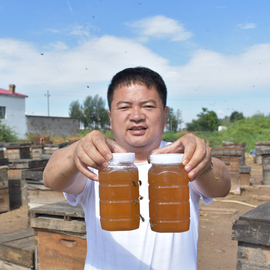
(137, 114)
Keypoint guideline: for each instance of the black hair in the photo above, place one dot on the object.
(135, 75)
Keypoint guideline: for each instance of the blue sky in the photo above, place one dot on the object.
(212, 54)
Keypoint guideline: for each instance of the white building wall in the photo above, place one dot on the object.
(15, 114)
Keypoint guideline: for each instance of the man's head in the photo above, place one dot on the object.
(138, 111)
(138, 75)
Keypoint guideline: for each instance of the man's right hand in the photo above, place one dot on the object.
(94, 150)
(67, 169)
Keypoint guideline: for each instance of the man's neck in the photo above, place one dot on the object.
(142, 153)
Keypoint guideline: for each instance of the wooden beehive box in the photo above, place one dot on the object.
(18, 150)
(41, 140)
(244, 175)
(17, 186)
(17, 250)
(3, 151)
(36, 151)
(232, 158)
(266, 166)
(252, 231)
(59, 229)
(4, 192)
(261, 147)
(37, 193)
(237, 145)
(51, 148)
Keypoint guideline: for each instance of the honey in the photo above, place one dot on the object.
(169, 208)
(119, 194)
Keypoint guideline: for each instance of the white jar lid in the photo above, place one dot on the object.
(166, 158)
(122, 157)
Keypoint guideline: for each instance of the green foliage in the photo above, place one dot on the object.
(236, 116)
(92, 112)
(248, 130)
(170, 136)
(107, 132)
(75, 109)
(7, 134)
(174, 120)
(207, 121)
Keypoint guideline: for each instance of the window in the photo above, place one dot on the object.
(2, 112)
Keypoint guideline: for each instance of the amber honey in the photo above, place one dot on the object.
(169, 207)
(119, 197)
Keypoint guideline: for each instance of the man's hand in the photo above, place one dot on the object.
(94, 150)
(197, 154)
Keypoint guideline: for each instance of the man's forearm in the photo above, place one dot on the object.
(216, 183)
(61, 171)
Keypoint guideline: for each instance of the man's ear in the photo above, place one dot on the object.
(109, 113)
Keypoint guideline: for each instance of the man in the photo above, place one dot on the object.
(137, 110)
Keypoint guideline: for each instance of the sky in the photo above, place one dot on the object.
(211, 54)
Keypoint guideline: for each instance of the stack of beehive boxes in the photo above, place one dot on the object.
(4, 194)
(18, 186)
(231, 156)
(260, 147)
(38, 145)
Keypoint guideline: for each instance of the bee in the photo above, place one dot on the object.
(141, 217)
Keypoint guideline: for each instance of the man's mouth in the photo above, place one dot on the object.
(137, 128)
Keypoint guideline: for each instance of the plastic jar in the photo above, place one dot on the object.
(169, 208)
(119, 194)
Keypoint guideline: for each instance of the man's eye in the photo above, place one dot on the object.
(123, 108)
(149, 106)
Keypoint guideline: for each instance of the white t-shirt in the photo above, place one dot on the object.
(140, 249)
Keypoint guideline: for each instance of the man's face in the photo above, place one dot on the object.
(137, 117)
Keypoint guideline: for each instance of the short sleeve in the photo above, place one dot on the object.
(74, 199)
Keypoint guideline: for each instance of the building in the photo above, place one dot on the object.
(12, 110)
(12, 113)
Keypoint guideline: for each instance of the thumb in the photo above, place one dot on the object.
(115, 147)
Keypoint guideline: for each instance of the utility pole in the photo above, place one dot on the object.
(48, 95)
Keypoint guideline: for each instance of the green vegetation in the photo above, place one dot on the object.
(236, 116)
(92, 113)
(207, 121)
(247, 130)
(7, 134)
(174, 120)
(108, 133)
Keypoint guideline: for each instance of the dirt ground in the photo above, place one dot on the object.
(216, 250)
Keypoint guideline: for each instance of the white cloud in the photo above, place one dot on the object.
(215, 74)
(80, 30)
(59, 46)
(247, 26)
(67, 73)
(161, 27)
(55, 31)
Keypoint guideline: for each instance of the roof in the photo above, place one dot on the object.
(6, 92)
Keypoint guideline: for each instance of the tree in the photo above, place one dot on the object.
(236, 116)
(174, 120)
(75, 109)
(207, 121)
(92, 112)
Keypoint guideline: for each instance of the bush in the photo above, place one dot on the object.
(7, 134)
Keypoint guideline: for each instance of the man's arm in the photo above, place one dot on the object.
(67, 169)
(197, 159)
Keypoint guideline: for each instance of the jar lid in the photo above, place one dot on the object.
(166, 158)
(122, 157)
